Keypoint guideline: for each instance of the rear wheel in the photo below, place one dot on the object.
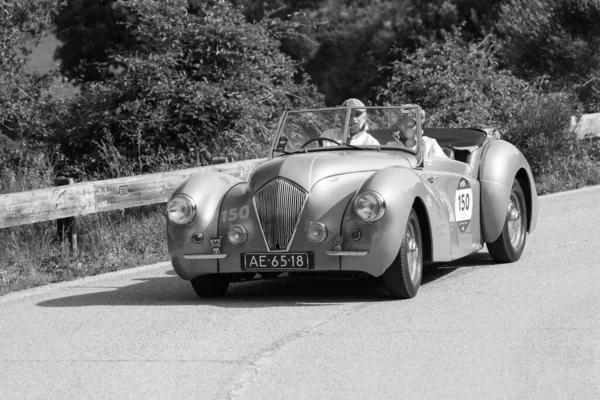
(509, 246)
(211, 285)
(403, 278)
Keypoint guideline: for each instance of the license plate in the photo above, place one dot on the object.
(261, 261)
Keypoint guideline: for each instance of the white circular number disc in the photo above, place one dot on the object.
(463, 204)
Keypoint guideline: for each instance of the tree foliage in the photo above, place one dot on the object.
(461, 85)
(24, 100)
(457, 84)
(360, 37)
(355, 39)
(90, 31)
(22, 24)
(204, 78)
(560, 38)
(212, 84)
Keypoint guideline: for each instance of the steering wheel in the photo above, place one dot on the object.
(320, 140)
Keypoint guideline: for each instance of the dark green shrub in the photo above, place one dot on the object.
(560, 38)
(541, 129)
(360, 37)
(89, 32)
(457, 84)
(212, 85)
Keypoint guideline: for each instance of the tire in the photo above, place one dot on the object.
(211, 285)
(509, 246)
(402, 279)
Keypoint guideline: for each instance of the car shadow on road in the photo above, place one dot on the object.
(170, 290)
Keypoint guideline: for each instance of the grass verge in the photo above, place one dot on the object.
(32, 255)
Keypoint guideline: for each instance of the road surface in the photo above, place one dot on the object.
(528, 330)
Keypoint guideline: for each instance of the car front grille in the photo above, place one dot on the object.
(278, 205)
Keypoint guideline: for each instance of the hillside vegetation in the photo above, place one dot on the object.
(170, 84)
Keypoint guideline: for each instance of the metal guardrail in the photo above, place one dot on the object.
(86, 198)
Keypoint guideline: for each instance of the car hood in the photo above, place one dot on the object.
(308, 168)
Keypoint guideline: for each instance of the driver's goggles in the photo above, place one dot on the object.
(357, 113)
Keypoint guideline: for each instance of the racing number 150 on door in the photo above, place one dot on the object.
(463, 203)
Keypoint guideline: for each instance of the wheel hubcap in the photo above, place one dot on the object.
(516, 231)
(412, 253)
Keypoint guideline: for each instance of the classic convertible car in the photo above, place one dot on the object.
(320, 205)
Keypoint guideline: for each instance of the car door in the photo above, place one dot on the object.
(456, 182)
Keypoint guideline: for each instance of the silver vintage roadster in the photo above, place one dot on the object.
(320, 204)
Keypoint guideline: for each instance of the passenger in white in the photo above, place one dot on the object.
(431, 147)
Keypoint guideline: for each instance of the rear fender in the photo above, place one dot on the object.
(501, 164)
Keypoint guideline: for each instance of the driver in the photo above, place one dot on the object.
(358, 124)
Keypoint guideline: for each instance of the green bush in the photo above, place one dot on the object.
(89, 32)
(23, 95)
(360, 38)
(25, 166)
(212, 85)
(457, 84)
(461, 85)
(541, 129)
(559, 38)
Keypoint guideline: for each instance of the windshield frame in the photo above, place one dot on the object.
(415, 109)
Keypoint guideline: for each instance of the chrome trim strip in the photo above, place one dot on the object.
(347, 253)
(203, 256)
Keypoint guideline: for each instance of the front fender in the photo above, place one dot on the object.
(207, 190)
(399, 187)
(502, 163)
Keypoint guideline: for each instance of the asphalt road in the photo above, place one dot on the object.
(528, 330)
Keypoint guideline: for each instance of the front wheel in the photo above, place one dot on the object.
(402, 279)
(509, 246)
(211, 285)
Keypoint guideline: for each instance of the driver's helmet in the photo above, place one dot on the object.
(358, 118)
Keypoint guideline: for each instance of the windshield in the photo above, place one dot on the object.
(368, 128)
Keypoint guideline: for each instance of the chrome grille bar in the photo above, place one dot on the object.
(278, 205)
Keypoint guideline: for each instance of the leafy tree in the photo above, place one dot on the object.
(24, 100)
(461, 85)
(559, 38)
(91, 30)
(458, 84)
(211, 84)
(256, 10)
(360, 36)
(355, 39)
(22, 24)
(478, 17)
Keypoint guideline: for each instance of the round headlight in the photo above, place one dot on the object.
(237, 235)
(316, 232)
(369, 206)
(181, 209)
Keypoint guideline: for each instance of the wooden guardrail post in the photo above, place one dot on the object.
(66, 228)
